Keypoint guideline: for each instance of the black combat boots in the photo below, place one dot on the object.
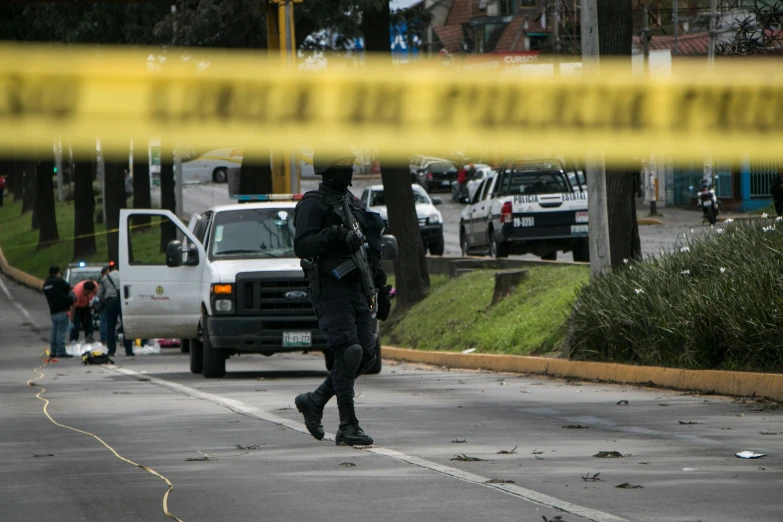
(349, 433)
(311, 406)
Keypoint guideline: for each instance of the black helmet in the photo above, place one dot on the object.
(322, 162)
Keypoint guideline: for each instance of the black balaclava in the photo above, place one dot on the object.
(339, 176)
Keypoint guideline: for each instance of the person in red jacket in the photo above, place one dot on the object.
(81, 314)
(462, 181)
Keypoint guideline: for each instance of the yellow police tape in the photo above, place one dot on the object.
(241, 99)
(82, 236)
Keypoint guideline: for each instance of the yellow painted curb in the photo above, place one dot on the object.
(19, 276)
(649, 221)
(768, 385)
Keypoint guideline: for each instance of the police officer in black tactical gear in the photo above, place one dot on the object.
(327, 241)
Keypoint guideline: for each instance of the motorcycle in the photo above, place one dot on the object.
(708, 204)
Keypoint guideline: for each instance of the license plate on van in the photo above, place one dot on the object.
(297, 340)
(579, 229)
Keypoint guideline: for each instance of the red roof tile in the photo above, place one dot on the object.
(460, 13)
(510, 33)
(450, 36)
(694, 44)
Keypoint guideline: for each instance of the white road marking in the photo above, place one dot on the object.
(22, 311)
(511, 489)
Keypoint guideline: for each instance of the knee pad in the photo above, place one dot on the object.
(352, 358)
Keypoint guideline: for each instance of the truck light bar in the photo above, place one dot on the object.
(267, 197)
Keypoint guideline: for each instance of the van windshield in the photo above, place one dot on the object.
(253, 233)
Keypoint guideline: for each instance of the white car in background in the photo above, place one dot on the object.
(212, 166)
(430, 218)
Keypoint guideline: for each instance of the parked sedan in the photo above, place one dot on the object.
(438, 175)
(430, 218)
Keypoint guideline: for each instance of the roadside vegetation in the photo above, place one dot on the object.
(714, 302)
(456, 315)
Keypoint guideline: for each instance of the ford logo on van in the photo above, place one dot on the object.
(296, 295)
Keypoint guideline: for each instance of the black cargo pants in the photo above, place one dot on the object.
(345, 319)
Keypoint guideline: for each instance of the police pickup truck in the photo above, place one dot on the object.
(527, 207)
(227, 284)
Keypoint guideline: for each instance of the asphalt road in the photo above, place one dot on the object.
(203, 196)
(152, 411)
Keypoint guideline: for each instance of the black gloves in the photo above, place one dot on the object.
(384, 303)
(348, 238)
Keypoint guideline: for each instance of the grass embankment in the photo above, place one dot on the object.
(19, 241)
(716, 303)
(456, 315)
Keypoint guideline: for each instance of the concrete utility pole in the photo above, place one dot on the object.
(598, 221)
(676, 17)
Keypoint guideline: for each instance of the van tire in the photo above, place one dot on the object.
(375, 369)
(220, 175)
(582, 251)
(196, 356)
(437, 247)
(497, 250)
(214, 359)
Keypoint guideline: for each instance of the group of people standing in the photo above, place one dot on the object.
(76, 305)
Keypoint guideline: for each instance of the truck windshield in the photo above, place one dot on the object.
(537, 182)
(253, 233)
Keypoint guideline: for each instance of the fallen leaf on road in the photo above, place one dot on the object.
(347, 464)
(512, 452)
(771, 433)
(499, 481)
(143, 379)
(260, 390)
(626, 485)
(609, 455)
(622, 402)
(663, 404)
(197, 459)
(689, 423)
(457, 441)
(464, 458)
(576, 427)
(36, 455)
(588, 478)
(284, 409)
(556, 518)
(536, 452)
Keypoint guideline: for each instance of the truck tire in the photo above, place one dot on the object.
(184, 345)
(463, 242)
(214, 359)
(582, 251)
(497, 250)
(196, 356)
(552, 256)
(220, 175)
(437, 246)
(376, 368)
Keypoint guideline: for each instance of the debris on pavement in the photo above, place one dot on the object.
(690, 423)
(556, 518)
(464, 458)
(249, 447)
(347, 465)
(594, 478)
(284, 409)
(576, 427)
(143, 379)
(536, 452)
(609, 455)
(626, 485)
(664, 404)
(506, 452)
(690, 469)
(469, 350)
(749, 455)
(499, 481)
(457, 441)
(622, 402)
(122, 393)
(197, 459)
(36, 455)
(771, 433)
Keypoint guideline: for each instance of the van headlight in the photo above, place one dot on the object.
(223, 305)
(435, 218)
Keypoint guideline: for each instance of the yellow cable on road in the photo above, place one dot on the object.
(40, 397)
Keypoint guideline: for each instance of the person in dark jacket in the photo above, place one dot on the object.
(60, 298)
(344, 310)
(776, 187)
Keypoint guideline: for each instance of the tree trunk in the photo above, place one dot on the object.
(141, 181)
(115, 200)
(18, 185)
(28, 200)
(83, 213)
(255, 177)
(615, 34)
(44, 204)
(410, 268)
(168, 231)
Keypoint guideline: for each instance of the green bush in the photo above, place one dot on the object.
(712, 302)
